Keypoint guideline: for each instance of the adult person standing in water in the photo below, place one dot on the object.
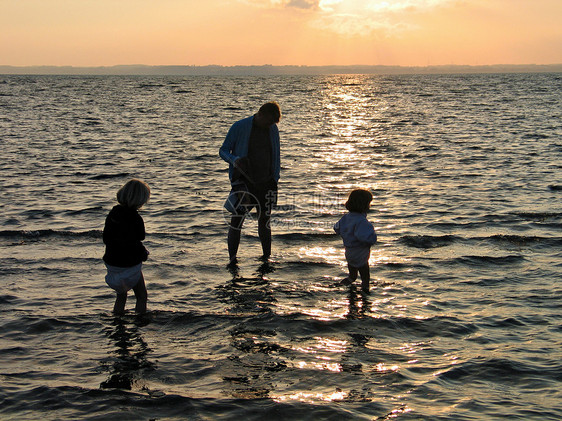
(252, 151)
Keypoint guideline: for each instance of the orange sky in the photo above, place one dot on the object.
(280, 32)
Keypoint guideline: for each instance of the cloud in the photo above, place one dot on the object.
(362, 17)
(354, 25)
(303, 4)
(405, 5)
(296, 4)
(356, 17)
(357, 6)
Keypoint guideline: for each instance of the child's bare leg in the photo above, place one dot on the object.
(365, 277)
(352, 276)
(352, 272)
(120, 301)
(141, 295)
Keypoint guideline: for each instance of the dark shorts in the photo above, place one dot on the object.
(262, 197)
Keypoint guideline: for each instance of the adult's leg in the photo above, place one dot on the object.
(120, 301)
(234, 231)
(266, 203)
(141, 295)
(264, 232)
(365, 278)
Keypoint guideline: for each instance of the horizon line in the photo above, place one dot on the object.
(269, 69)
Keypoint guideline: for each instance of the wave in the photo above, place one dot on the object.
(510, 238)
(308, 264)
(74, 402)
(109, 176)
(51, 233)
(524, 240)
(450, 226)
(94, 209)
(259, 354)
(499, 219)
(488, 260)
(428, 241)
(8, 299)
(45, 233)
(538, 216)
(502, 370)
(435, 241)
(267, 323)
(34, 325)
(399, 266)
(89, 121)
(305, 236)
(438, 326)
(151, 85)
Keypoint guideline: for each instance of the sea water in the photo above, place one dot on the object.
(463, 318)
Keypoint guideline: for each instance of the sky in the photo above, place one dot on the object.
(280, 32)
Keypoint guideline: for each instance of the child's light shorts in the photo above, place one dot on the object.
(123, 279)
(357, 257)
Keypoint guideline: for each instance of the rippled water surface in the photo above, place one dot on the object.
(463, 319)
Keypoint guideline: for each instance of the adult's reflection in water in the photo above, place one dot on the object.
(128, 361)
(247, 372)
(248, 294)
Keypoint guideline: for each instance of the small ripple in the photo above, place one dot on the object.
(487, 261)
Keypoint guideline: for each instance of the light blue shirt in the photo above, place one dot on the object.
(235, 145)
(358, 236)
(356, 230)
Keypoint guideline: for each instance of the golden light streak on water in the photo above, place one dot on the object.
(312, 397)
(328, 254)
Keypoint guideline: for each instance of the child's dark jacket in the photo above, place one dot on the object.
(123, 234)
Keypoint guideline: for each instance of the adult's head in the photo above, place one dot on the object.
(359, 200)
(268, 114)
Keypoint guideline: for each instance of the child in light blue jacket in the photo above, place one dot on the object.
(358, 236)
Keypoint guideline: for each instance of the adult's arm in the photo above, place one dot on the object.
(227, 147)
(276, 152)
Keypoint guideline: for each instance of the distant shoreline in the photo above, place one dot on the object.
(269, 70)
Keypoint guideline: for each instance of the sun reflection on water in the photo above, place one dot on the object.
(332, 345)
(414, 347)
(309, 397)
(329, 255)
(352, 129)
(320, 366)
(336, 256)
(322, 315)
(383, 368)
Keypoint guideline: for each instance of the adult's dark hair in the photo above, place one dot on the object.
(359, 201)
(272, 109)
